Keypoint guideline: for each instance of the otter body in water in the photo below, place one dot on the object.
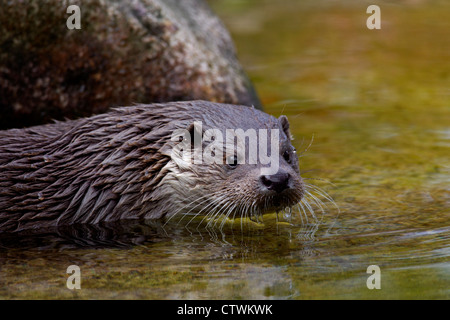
(121, 165)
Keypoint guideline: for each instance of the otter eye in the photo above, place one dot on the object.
(287, 156)
(232, 162)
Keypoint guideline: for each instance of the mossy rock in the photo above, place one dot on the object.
(125, 52)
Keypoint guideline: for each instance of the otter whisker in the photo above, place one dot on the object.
(212, 211)
(310, 143)
(302, 210)
(254, 213)
(213, 203)
(227, 215)
(215, 218)
(228, 210)
(211, 208)
(246, 208)
(316, 200)
(239, 208)
(320, 191)
(187, 205)
(323, 193)
(182, 208)
(319, 203)
(212, 214)
(230, 206)
(308, 206)
(203, 199)
(309, 229)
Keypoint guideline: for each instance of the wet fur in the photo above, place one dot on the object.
(117, 166)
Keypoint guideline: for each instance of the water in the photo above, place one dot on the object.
(378, 106)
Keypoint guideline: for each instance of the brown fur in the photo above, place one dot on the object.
(117, 166)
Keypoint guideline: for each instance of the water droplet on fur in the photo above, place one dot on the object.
(40, 196)
(287, 213)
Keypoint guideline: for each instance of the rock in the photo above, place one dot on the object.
(126, 52)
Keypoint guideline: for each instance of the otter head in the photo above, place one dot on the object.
(238, 163)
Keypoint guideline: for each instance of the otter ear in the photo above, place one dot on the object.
(285, 125)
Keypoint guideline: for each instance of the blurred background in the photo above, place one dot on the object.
(378, 105)
(376, 101)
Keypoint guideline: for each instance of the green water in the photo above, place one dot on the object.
(377, 104)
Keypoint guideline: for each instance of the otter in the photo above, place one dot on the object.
(121, 165)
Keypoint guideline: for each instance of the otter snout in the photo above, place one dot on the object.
(277, 182)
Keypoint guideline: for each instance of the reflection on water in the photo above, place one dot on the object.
(108, 235)
(128, 234)
(377, 104)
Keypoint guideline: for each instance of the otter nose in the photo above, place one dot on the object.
(276, 182)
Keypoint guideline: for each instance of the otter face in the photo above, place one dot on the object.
(257, 190)
(238, 172)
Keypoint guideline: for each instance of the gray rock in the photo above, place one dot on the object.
(126, 52)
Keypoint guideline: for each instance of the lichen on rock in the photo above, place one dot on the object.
(126, 52)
